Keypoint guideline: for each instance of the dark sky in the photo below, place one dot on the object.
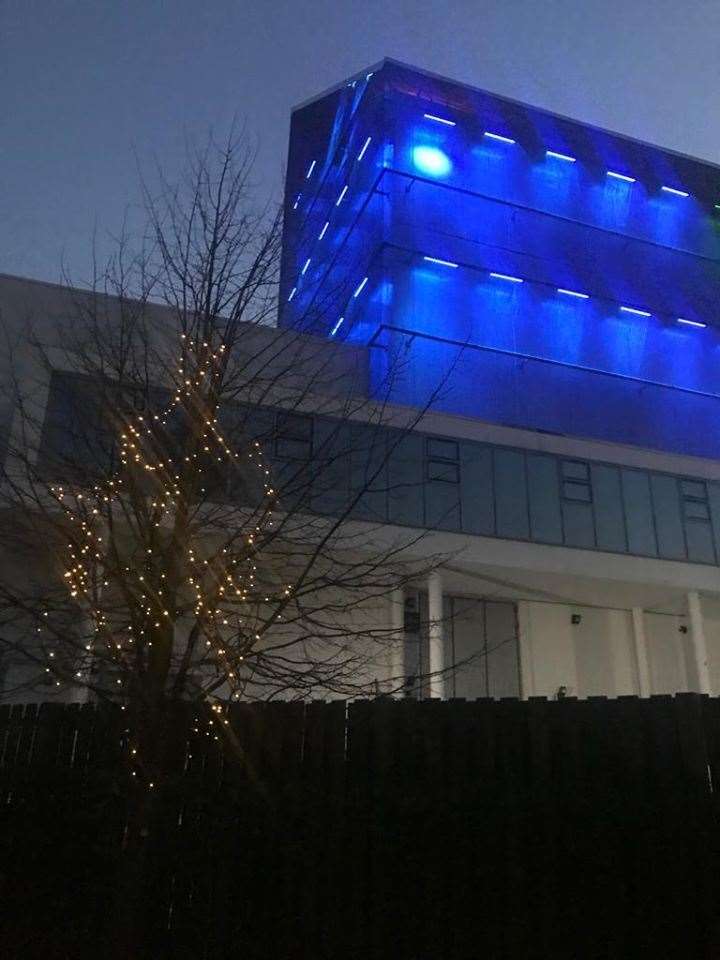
(87, 84)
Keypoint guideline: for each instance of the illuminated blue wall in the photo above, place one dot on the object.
(525, 268)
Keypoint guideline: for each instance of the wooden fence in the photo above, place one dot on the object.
(444, 830)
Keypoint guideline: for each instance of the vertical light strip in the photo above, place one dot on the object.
(364, 148)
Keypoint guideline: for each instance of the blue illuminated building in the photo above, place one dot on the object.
(560, 277)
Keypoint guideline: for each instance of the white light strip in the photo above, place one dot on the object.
(323, 231)
(560, 156)
(431, 116)
(621, 176)
(342, 196)
(676, 193)
(292, 294)
(298, 198)
(443, 263)
(336, 327)
(505, 276)
(360, 287)
(573, 293)
(638, 313)
(310, 170)
(304, 269)
(365, 146)
(692, 323)
(499, 137)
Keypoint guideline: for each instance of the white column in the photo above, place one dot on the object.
(527, 684)
(397, 642)
(641, 656)
(436, 634)
(697, 631)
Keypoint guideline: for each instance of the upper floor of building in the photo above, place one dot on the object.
(555, 276)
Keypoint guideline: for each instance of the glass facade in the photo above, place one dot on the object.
(547, 274)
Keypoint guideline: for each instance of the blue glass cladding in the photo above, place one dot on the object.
(542, 359)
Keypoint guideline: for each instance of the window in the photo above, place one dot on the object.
(694, 500)
(293, 436)
(442, 460)
(575, 478)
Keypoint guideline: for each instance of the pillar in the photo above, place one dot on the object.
(641, 656)
(436, 635)
(397, 641)
(697, 632)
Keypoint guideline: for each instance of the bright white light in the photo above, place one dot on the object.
(304, 269)
(638, 313)
(498, 136)
(505, 276)
(367, 77)
(292, 294)
(560, 156)
(337, 327)
(360, 287)
(620, 176)
(364, 148)
(443, 263)
(310, 170)
(298, 198)
(573, 293)
(676, 193)
(692, 323)
(323, 231)
(431, 116)
(432, 161)
(342, 196)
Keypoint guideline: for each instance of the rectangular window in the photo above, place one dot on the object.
(575, 480)
(442, 460)
(694, 500)
(293, 436)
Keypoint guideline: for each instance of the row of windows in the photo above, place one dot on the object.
(439, 482)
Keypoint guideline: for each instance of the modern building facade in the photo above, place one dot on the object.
(553, 288)
(542, 297)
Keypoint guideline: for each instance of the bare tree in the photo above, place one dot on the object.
(177, 562)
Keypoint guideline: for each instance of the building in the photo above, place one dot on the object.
(561, 282)
(544, 295)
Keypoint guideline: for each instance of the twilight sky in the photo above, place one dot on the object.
(86, 85)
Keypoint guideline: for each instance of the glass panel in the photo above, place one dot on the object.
(444, 449)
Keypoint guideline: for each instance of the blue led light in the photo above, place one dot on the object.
(573, 293)
(505, 276)
(337, 327)
(675, 192)
(443, 263)
(360, 287)
(342, 196)
(432, 161)
(691, 323)
(324, 230)
(304, 269)
(634, 310)
(310, 170)
(432, 116)
(620, 176)
(560, 156)
(292, 294)
(364, 148)
(499, 137)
